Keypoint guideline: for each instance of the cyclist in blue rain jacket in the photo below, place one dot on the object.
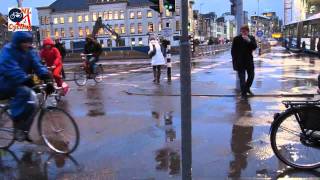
(17, 61)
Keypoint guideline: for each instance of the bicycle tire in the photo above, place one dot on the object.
(6, 130)
(80, 77)
(99, 74)
(291, 159)
(50, 135)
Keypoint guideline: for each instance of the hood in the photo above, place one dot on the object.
(48, 41)
(21, 37)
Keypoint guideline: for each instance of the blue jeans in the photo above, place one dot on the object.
(22, 106)
(92, 64)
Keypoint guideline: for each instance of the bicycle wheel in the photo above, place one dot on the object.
(99, 74)
(290, 144)
(6, 130)
(80, 77)
(58, 130)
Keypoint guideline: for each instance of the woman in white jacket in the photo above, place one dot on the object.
(157, 59)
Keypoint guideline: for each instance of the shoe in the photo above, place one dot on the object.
(20, 135)
(250, 92)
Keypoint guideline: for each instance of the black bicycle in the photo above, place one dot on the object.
(295, 134)
(56, 127)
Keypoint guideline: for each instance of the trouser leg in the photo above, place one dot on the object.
(242, 79)
(57, 75)
(22, 108)
(154, 68)
(250, 79)
(63, 73)
(158, 73)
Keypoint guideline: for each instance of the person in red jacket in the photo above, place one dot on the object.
(53, 59)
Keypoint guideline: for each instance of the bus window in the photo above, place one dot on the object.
(305, 30)
(309, 31)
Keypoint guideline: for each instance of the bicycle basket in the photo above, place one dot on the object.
(310, 117)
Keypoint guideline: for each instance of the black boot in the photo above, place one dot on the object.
(154, 75)
(158, 77)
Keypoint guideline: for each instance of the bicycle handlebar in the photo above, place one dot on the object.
(86, 54)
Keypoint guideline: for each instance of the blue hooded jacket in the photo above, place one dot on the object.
(16, 64)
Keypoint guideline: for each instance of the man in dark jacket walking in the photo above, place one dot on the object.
(242, 59)
(63, 54)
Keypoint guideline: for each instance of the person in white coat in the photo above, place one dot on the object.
(157, 58)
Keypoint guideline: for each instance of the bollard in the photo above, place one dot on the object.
(169, 64)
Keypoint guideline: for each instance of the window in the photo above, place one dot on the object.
(109, 43)
(55, 20)
(133, 41)
(94, 16)
(61, 20)
(105, 15)
(178, 11)
(139, 15)
(80, 32)
(63, 33)
(100, 14)
(101, 31)
(177, 25)
(70, 19)
(116, 15)
(48, 33)
(71, 32)
(132, 15)
(168, 13)
(110, 17)
(43, 20)
(47, 20)
(56, 32)
(132, 29)
(150, 27)
(121, 14)
(149, 14)
(122, 29)
(140, 42)
(140, 29)
(86, 18)
(87, 30)
(80, 19)
(116, 28)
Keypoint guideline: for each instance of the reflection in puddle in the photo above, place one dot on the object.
(95, 102)
(167, 158)
(34, 165)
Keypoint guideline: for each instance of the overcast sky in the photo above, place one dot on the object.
(218, 6)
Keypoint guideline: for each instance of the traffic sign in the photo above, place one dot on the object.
(259, 33)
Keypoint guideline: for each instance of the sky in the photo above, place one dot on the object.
(218, 6)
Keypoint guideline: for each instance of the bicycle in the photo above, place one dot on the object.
(83, 74)
(295, 134)
(56, 127)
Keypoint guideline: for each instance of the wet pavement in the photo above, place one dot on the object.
(130, 127)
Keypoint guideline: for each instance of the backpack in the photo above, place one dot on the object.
(153, 52)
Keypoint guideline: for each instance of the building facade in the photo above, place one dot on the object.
(133, 20)
(5, 35)
(299, 10)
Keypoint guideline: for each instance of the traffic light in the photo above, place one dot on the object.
(233, 7)
(170, 5)
(156, 5)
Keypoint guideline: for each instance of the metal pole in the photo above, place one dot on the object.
(185, 71)
(239, 15)
(19, 3)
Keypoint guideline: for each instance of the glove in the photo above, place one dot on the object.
(50, 88)
(47, 78)
(29, 82)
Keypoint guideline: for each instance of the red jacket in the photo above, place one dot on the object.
(51, 56)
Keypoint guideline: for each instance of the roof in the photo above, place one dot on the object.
(76, 5)
(69, 5)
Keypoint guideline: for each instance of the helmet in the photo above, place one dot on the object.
(22, 37)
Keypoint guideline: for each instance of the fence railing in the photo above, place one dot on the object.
(206, 50)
